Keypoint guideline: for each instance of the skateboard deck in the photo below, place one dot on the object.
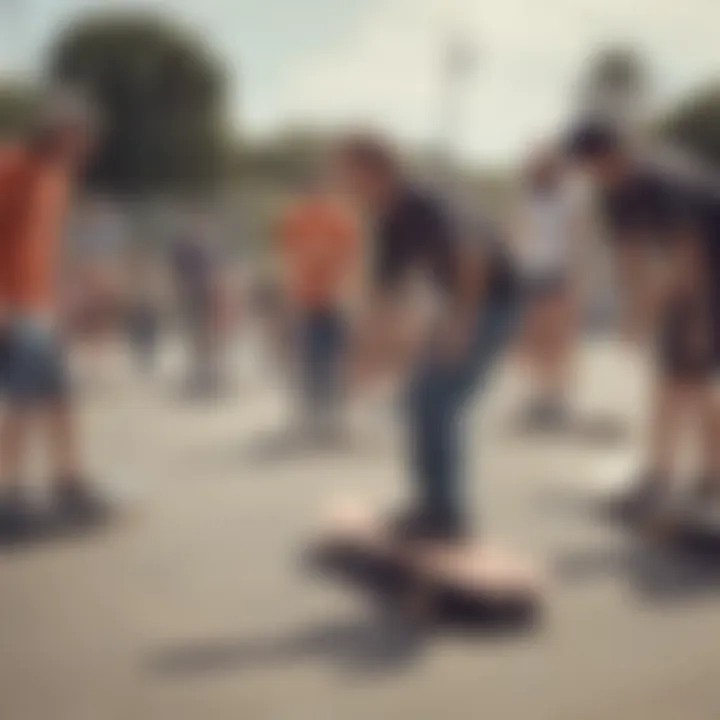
(469, 583)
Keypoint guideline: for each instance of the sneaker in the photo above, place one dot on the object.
(76, 502)
(647, 497)
(420, 526)
(15, 514)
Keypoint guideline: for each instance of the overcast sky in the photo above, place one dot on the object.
(377, 62)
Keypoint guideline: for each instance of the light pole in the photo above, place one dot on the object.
(458, 65)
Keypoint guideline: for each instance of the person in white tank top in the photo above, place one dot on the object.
(546, 248)
(546, 242)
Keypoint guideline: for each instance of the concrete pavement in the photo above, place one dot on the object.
(194, 606)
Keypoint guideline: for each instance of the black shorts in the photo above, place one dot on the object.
(689, 344)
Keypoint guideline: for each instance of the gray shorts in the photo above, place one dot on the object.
(33, 367)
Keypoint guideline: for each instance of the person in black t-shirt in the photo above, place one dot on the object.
(675, 214)
(418, 234)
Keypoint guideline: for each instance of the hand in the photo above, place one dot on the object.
(453, 340)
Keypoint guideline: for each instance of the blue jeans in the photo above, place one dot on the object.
(440, 393)
(322, 342)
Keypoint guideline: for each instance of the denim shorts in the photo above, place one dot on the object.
(32, 363)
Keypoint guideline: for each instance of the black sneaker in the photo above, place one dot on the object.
(76, 502)
(421, 526)
(646, 498)
(15, 514)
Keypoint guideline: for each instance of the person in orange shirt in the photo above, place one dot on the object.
(319, 248)
(35, 186)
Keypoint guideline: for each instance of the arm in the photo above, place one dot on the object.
(349, 260)
(473, 262)
(9, 214)
(281, 239)
(375, 344)
(374, 350)
(581, 232)
(283, 268)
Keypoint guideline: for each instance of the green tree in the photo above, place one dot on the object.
(161, 96)
(18, 104)
(695, 125)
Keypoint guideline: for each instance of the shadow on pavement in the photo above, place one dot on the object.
(664, 570)
(606, 431)
(384, 643)
(46, 529)
(380, 644)
(287, 446)
(654, 573)
(568, 503)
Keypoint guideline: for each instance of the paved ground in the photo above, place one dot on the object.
(195, 607)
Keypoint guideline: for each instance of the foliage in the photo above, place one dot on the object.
(18, 105)
(695, 125)
(160, 94)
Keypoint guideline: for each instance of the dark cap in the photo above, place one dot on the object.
(591, 140)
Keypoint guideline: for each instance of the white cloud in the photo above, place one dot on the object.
(530, 51)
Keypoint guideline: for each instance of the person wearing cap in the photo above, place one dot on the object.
(36, 182)
(548, 244)
(655, 209)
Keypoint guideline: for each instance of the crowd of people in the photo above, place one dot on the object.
(375, 277)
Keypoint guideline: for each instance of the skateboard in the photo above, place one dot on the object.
(467, 584)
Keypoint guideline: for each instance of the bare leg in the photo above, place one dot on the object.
(559, 348)
(15, 514)
(13, 439)
(638, 291)
(669, 406)
(535, 347)
(63, 443)
(709, 401)
(648, 493)
(76, 501)
(550, 360)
